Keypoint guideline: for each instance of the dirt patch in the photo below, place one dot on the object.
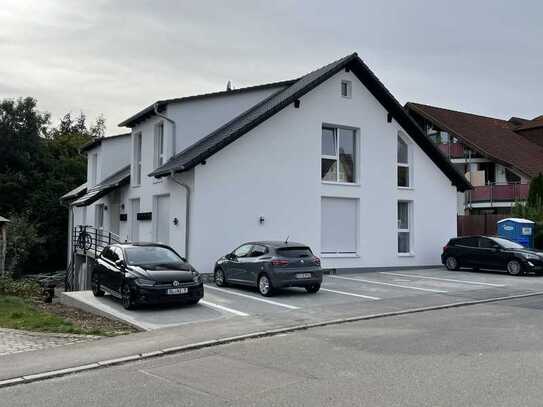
(87, 321)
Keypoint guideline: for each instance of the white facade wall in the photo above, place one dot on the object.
(274, 171)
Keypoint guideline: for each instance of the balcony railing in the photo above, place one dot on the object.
(498, 193)
(452, 150)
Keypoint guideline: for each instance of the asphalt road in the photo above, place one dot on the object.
(481, 355)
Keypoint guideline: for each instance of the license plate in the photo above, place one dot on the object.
(303, 275)
(174, 291)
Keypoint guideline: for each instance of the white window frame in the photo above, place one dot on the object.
(159, 153)
(137, 159)
(99, 210)
(408, 230)
(348, 87)
(409, 164)
(356, 150)
(93, 162)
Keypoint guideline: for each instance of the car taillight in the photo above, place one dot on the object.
(445, 247)
(279, 262)
(317, 261)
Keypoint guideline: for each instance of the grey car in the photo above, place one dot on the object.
(269, 265)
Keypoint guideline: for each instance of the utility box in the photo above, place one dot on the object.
(518, 230)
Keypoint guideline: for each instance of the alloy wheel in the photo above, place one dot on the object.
(451, 263)
(514, 268)
(264, 285)
(219, 277)
(127, 298)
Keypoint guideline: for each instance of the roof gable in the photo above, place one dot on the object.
(246, 121)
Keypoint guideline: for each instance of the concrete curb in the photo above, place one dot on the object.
(268, 333)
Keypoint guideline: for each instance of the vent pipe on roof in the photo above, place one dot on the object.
(173, 126)
(228, 86)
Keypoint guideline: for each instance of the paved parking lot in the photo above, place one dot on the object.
(363, 292)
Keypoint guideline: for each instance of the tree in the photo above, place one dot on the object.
(535, 195)
(38, 164)
(533, 209)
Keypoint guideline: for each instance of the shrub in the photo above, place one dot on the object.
(25, 288)
(22, 243)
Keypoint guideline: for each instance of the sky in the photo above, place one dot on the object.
(115, 57)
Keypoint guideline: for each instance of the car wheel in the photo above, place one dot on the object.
(220, 279)
(264, 286)
(97, 292)
(514, 268)
(451, 263)
(194, 301)
(126, 298)
(312, 289)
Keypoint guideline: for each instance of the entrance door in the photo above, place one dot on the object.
(162, 219)
(134, 225)
(115, 213)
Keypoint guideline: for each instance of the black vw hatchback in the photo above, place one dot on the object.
(494, 253)
(145, 273)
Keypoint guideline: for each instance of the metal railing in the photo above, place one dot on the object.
(88, 241)
(493, 192)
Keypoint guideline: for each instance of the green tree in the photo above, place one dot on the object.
(533, 209)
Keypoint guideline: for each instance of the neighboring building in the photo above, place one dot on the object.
(498, 157)
(330, 159)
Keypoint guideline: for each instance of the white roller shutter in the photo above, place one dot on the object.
(339, 225)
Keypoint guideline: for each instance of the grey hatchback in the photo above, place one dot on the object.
(269, 265)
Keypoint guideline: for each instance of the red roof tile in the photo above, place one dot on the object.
(493, 138)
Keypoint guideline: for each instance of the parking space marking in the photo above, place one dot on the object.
(390, 284)
(442, 279)
(351, 294)
(223, 308)
(279, 304)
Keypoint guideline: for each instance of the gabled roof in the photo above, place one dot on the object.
(97, 141)
(114, 181)
(161, 104)
(74, 193)
(493, 138)
(265, 109)
(3, 220)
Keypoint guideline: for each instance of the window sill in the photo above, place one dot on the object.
(347, 184)
(136, 186)
(407, 188)
(411, 254)
(339, 255)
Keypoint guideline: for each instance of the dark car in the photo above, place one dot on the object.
(270, 265)
(145, 273)
(494, 253)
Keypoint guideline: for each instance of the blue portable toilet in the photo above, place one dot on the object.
(518, 230)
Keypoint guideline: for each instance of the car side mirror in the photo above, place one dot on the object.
(184, 259)
(230, 256)
(120, 263)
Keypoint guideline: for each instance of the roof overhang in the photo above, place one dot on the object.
(114, 181)
(74, 193)
(98, 141)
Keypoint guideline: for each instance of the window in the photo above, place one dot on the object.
(258, 251)
(346, 89)
(295, 252)
(468, 242)
(243, 251)
(338, 150)
(404, 227)
(403, 163)
(159, 145)
(107, 254)
(99, 216)
(93, 162)
(339, 225)
(151, 256)
(487, 244)
(136, 160)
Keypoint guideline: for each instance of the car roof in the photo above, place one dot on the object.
(140, 244)
(277, 244)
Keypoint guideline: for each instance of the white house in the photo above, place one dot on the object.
(330, 159)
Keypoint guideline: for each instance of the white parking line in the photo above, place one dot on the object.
(442, 279)
(390, 284)
(351, 294)
(221, 307)
(279, 304)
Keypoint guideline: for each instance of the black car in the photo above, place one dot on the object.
(494, 253)
(145, 273)
(270, 265)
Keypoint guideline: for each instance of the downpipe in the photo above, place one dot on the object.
(187, 212)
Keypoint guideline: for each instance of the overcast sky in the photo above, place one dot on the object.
(116, 57)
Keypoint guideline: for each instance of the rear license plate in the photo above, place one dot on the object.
(303, 275)
(174, 291)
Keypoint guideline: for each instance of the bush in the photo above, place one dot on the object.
(22, 243)
(25, 288)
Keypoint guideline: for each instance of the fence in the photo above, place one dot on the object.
(478, 224)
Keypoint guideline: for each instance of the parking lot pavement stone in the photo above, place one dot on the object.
(16, 341)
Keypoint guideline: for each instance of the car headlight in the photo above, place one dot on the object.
(528, 256)
(196, 277)
(144, 282)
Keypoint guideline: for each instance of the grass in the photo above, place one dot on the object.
(18, 313)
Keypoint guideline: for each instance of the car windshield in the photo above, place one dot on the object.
(151, 256)
(507, 244)
(295, 252)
